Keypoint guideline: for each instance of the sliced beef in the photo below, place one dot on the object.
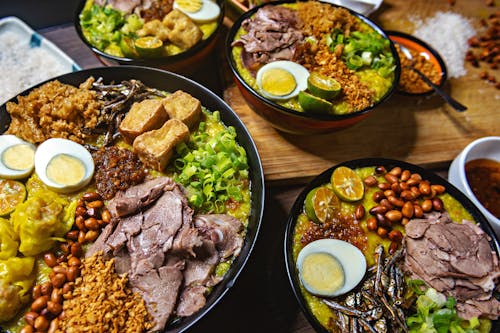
(223, 230)
(160, 289)
(156, 242)
(126, 6)
(272, 34)
(192, 299)
(456, 259)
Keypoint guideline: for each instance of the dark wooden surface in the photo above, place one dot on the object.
(261, 300)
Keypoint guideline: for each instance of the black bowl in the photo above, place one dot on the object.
(418, 45)
(289, 120)
(324, 177)
(184, 63)
(170, 82)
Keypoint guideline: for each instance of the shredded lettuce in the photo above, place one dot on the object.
(436, 313)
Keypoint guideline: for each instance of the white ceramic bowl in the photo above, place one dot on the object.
(487, 147)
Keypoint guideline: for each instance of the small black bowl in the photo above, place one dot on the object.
(324, 178)
(167, 81)
(415, 44)
(184, 63)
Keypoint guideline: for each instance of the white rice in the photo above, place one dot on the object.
(447, 33)
(22, 67)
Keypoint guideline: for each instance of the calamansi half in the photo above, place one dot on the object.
(347, 184)
(314, 104)
(12, 193)
(149, 47)
(323, 86)
(321, 204)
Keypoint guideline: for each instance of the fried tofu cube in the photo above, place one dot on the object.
(183, 32)
(184, 107)
(144, 116)
(156, 148)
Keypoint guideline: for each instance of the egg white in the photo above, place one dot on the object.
(56, 146)
(299, 72)
(7, 141)
(352, 260)
(209, 12)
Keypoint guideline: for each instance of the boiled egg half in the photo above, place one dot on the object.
(281, 80)
(16, 157)
(330, 267)
(200, 11)
(63, 165)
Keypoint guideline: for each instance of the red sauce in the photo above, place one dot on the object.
(483, 176)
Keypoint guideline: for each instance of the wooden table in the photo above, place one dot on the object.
(421, 131)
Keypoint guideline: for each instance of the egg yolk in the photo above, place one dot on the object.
(278, 82)
(190, 6)
(65, 170)
(322, 273)
(19, 157)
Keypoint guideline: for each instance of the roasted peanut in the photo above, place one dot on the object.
(59, 269)
(27, 329)
(80, 211)
(386, 203)
(383, 221)
(41, 323)
(378, 210)
(395, 236)
(396, 171)
(418, 211)
(56, 295)
(394, 215)
(377, 196)
(30, 317)
(370, 181)
(106, 216)
(426, 205)
(91, 196)
(359, 212)
(50, 259)
(437, 204)
(54, 324)
(76, 249)
(46, 288)
(407, 195)
(95, 204)
(58, 280)
(396, 188)
(405, 175)
(74, 261)
(91, 223)
(81, 237)
(67, 288)
(382, 232)
(39, 304)
(396, 201)
(405, 221)
(73, 273)
(393, 247)
(384, 186)
(72, 235)
(389, 193)
(407, 210)
(54, 308)
(64, 247)
(439, 189)
(391, 178)
(79, 221)
(415, 191)
(371, 224)
(380, 170)
(91, 235)
(424, 188)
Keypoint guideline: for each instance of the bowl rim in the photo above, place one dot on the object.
(160, 61)
(362, 162)
(328, 117)
(462, 160)
(431, 50)
(230, 118)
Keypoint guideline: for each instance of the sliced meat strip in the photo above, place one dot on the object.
(224, 230)
(192, 299)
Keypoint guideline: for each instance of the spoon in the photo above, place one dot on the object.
(450, 100)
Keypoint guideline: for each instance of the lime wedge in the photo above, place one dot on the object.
(347, 184)
(323, 86)
(321, 204)
(314, 104)
(149, 47)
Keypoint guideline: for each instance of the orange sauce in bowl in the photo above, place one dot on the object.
(483, 176)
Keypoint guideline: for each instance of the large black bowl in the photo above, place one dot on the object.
(324, 177)
(170, 82)
(185, 62)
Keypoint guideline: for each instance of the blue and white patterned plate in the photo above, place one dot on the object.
(27, 58)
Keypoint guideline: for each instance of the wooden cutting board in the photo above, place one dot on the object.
(423, 131)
